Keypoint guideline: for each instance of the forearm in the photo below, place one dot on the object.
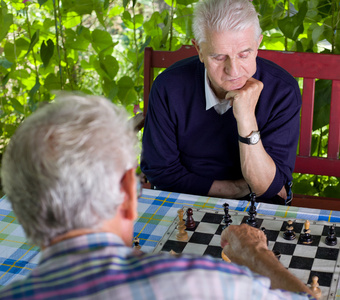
(265, 263)
(232, 189)
(247, 246)
(257, 167)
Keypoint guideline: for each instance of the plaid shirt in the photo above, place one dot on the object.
(99, 266)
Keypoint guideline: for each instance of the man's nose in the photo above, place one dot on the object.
(232, 67)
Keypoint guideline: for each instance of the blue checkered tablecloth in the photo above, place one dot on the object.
(156, 211)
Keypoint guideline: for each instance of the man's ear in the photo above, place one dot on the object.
(197, 47)
(129, 188)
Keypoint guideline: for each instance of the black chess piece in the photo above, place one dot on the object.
(190, 222)
(265, 233)
(226, 218)
(252, 211)
(331, 239)
(289, 234)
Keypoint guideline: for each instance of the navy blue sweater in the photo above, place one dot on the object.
(186, 148)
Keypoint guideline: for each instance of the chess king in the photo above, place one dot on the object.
(69, 173)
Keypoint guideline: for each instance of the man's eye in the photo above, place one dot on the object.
(244, 55)
(219, 58)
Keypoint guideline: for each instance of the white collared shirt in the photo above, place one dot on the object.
(220, 105)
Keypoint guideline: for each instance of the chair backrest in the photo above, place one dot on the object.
(309, 67)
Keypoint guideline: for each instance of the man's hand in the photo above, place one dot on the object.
(244, 103)
(247, 246)
(241, 242)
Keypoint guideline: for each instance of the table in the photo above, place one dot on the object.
(156, 211)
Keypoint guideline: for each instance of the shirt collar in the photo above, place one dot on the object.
(81, 243)
(212, 100)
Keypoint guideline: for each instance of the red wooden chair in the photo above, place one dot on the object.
(309, 66)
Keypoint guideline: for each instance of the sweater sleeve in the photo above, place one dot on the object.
(161, 159)
(280, 128)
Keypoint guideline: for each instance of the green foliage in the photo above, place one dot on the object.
(96, 47)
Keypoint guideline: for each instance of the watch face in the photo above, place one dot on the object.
(255, 137)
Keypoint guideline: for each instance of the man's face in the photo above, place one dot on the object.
(230, 59)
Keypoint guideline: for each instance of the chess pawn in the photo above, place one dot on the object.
(289, 234)
(314, 286)
(190, 222)
(182, 235)
(331, 239)
(306, 237)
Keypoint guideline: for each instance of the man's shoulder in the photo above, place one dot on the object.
(266, 69)
(183, 68)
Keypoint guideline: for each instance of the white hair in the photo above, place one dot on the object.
(224, 15)
(63, 166)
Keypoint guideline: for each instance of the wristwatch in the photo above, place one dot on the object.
(251, 139)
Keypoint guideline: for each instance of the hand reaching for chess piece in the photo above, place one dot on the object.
(246, 245)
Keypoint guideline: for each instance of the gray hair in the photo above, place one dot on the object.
(224, 15)
(63, 166)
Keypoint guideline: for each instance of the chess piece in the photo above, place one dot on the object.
(331, 239)
(277, 254)
(226, 218)
(265, 233)
(172, 252)
(182, 235)
(136, 244)
(314, 286)
(252, 211)
(306, 237)
(190, 222)
(289, 234)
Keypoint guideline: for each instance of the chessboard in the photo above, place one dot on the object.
(303, 260)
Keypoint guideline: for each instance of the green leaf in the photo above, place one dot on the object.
(78, 40)
(317, 32)
(109, 65)
(52, 82)
(128, 22)
(126, 92)
(116, 11)
(102, 40)
(72, 19)
(6, 20)
(42, 2)
(17, 106)
(323, 89)
(46, 52)
(186, 2)
(292, 26)
(125, 3)
(32, 93)
(5, 63)
(139, 18)
(81, 7)
(34, 40)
